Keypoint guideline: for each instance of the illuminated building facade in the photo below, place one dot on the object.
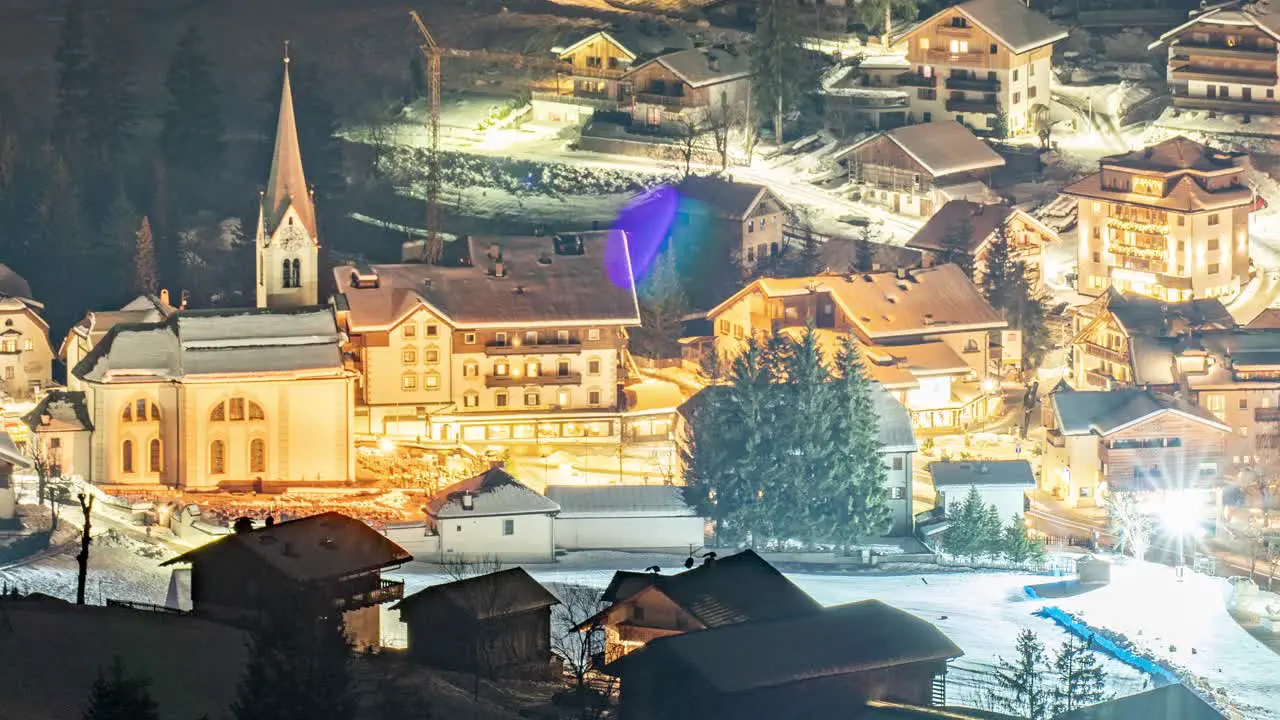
(1170, 221)
(1224, 59)
(924, 333)
(26, 357)
(978, 61)
(520, 341)
(1027, 236)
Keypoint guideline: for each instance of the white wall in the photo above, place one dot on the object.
(629, 532)
(1008, 500)
(476, 537)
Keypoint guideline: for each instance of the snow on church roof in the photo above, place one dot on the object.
(215, 342)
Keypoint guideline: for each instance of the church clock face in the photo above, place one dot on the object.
(292, 237)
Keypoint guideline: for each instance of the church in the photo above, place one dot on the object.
(215, 399)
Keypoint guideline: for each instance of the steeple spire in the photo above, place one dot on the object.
(286, 185)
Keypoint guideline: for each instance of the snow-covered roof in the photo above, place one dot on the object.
(493, 492)
(1004, 473)
(704, 66)
(216, 342)
(1084, 412)
(60, 410)
(1012, 23)
(597, 500)
(1230, 15)
(942, 148)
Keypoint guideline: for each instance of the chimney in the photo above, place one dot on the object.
(468, 501)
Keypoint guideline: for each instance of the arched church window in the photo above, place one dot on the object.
(141, 410)
(126, 456)
(235, 408)
(258, 455)
(297, 273)
(153, 453)
(217, 457)
(286, 274)
(218, 414)
(255, 411)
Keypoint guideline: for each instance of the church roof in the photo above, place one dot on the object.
(216, 342)
(286, 185)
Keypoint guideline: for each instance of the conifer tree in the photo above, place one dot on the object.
(1017, 545)
(872, 14)
(1026, 313)
(860, 500)
(1021, 688)
(966, 531)
(662, 305)
(955, 246)
(192, 137)
(118, 696)
(864, 250)
(808, 452)
(1079, 679)
(992, 532)
(996, 266)
(777, 60)
(144, 260)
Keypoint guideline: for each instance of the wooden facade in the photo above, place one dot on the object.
(596, 68)
(515, 645)
(1224, 67)
(1168, 451)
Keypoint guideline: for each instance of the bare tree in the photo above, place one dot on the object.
(688, 134)
(486, 603)
(720, 124)
(82, 557)
(579, 649)
(1131, 526)
(51, 486)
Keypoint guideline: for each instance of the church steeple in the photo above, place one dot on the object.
(286, 185)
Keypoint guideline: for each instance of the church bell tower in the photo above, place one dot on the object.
(287, 243)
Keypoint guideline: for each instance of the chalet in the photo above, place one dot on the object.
(1224, 59)
(914, 170)
(493, 516)
(1170, 221)
(498, 625)
(1027, 236)
(1120, 338)
(924, 333)
(10, 458)
(595, 66)
(1130, 440)
(689, 86)
(1002, 483)
(827, 663)
(855, 98)
(652, 518)
(60, 426)
(748, 217)
(330, 561)
(26, 357)
(1171, 702)
(897, 445)
(740, 588)
(993, 60)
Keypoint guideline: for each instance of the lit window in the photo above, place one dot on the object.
(593, 334)
(562, 398)
(751, 225)
(1244, 431)
(409, 356)
(469, 338)
(896, 493)
(533, 368)
(431, 381)
(410, 330)
(924, 43)
(501, 369)
(408, 381)
(531, 398)
(471, 400)
(28, 345)
(470, 369)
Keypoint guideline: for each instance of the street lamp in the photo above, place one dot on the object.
(1180, 516)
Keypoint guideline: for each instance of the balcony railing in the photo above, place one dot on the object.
(969, 83)
(1115, 356)
(944, 56)
(1258, 107)
(1221, 49)
(971, 106)
(540, 348)
(1097, 379)
(1223, 75)
(597, 72)
(583, 100)
(911, 79)
(679, 101)
(386, 591)
(495, 381)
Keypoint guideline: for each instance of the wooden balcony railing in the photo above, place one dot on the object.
(596, 72)
(968, 83)
(495, 381)
(386, 591)
(566, 348)
(1116, 356)
(912, 79)
(677, 101)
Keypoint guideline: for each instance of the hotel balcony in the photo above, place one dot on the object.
(912, 79)
(676, 101)
(386, 591)
(1219, 49)
(497, 381)
(566, 348)
(965, 105)
(602, 73)
(972, 83)
(1215, 75)
(1115, 356)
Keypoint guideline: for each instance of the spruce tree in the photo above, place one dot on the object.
(192, 135)
(864, 251)
(116, 248)
(992, 532)
(662, 305)
(144, 260)
(860, 500)
(118, 696)
(956, 243)
(808, 440)
(1079, 679)
(778, 60)
(1018, 545)
(966, 530)
(1021, 688)
(1026, 313)
(997, 264)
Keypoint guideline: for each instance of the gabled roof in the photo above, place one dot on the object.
(1230, 15)
(1012, 23)
(735, 589)
(217, 342)
(540, 286)
(1103, 412)
(729, 199)
(1142, 316)
(665, 500)
(1171, 702)
(1004, 473)
(638, 41)
(703, 66)
(844, 639)
(505, 592)
(9, 452)
(493, 492)
(942, 148)
(626, 583)
(1175, 154)
(320, 547)
(286, 185)
(1185, 196)
(983, 220)
(59, 410)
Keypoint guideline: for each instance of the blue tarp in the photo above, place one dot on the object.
(1162, 674)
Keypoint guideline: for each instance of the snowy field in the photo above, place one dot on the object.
(1183, 624)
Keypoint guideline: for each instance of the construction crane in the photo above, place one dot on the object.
(431, 53)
